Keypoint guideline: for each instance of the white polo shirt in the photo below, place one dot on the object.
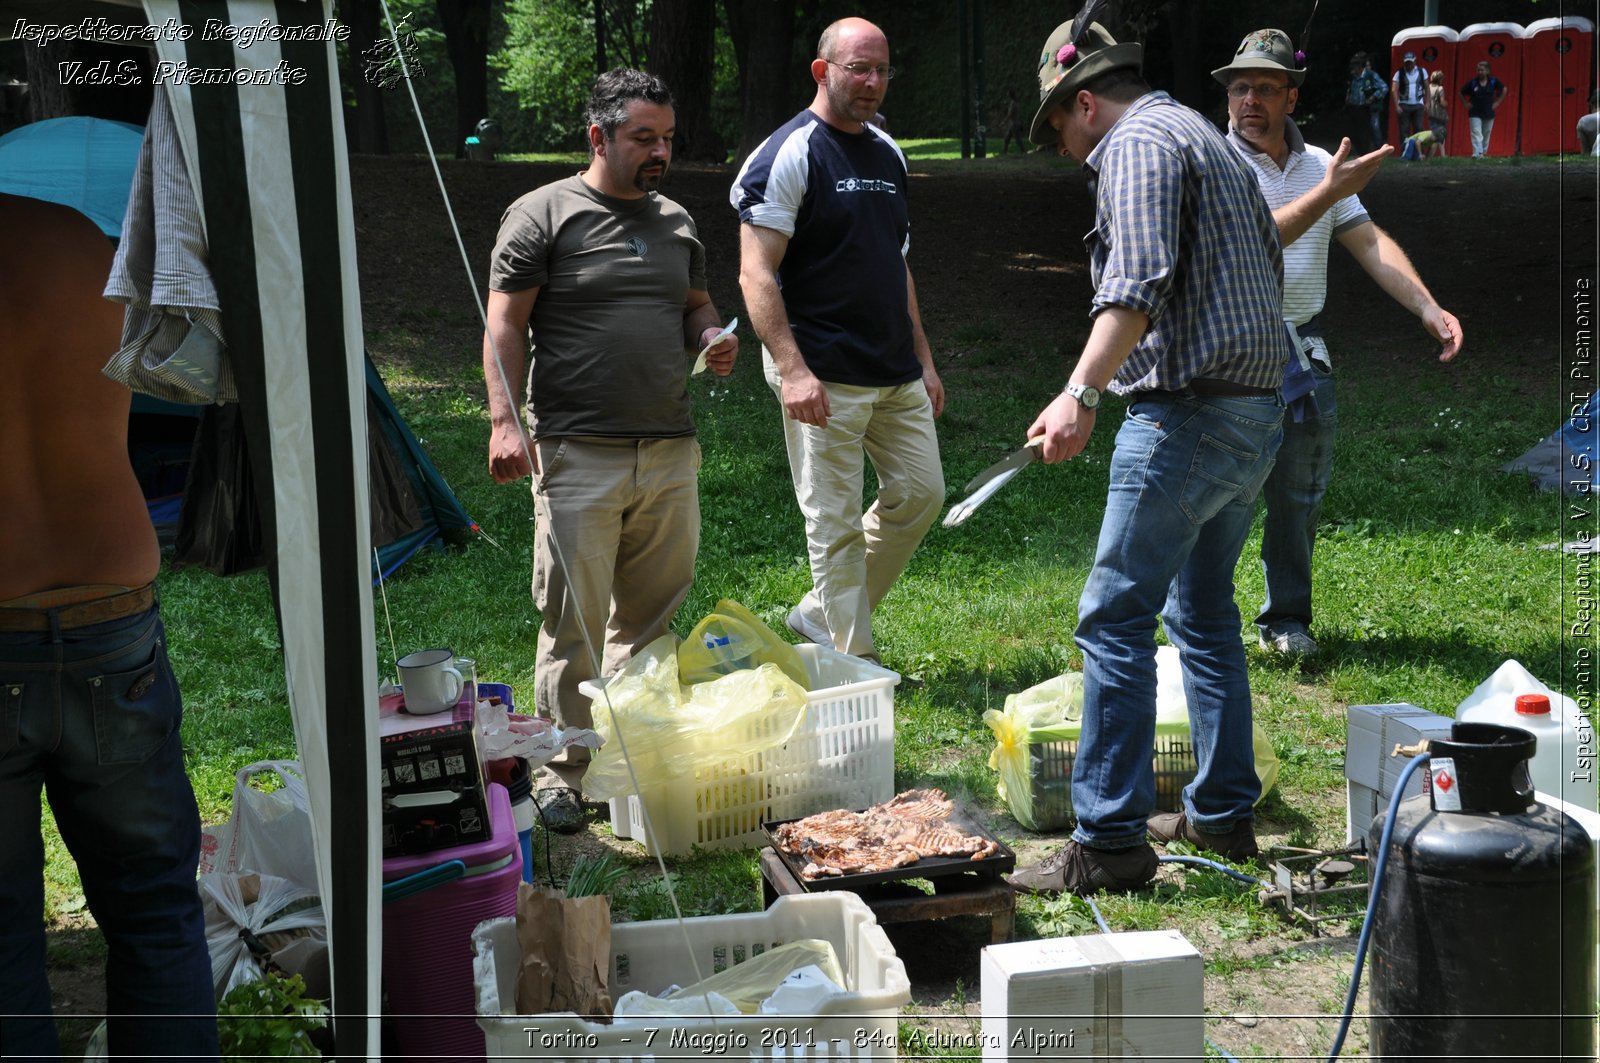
(1305, 262)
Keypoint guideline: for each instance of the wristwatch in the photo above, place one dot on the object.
(1088, 397)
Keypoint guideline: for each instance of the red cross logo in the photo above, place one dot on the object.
(1443, 780)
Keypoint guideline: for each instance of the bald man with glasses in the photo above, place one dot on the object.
(1313, 200)
(823, 240)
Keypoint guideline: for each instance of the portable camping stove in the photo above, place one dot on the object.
(1318, 887)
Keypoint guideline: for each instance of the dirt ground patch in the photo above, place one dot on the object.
(998, 244)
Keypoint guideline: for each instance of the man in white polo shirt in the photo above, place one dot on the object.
(1312, 196)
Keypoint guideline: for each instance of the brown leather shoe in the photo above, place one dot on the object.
(1078, 869)
(1238, 844)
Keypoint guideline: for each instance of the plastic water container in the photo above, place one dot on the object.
(1563, 762)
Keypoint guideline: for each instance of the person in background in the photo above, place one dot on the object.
(90, 708)
(1011, 122)
(1409, 87)
(1423, 144)
(823, 238)
(607, 277)
(1438, 110)
(1312, 196)
(1363, 103)
(1484, 94)
(1589, 128)
(1188, 328)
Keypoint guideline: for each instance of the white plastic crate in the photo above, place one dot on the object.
(841, 756)
(860, 1023)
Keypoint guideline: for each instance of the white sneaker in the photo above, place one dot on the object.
(806, 630)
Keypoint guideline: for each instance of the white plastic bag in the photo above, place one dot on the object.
(241, 906)
(269, 832)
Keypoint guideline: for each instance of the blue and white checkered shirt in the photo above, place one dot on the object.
(1183, 234)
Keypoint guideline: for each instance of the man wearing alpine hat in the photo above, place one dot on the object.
(1187, 328)
(1312, 195)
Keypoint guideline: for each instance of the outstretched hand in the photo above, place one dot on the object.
(1347, 176)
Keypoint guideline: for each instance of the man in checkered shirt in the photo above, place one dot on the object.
(1187, 328)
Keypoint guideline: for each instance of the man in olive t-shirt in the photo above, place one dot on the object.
(608, 280)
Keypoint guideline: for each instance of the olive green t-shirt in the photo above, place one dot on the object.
(614, 277)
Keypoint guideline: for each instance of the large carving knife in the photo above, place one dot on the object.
(983, 486)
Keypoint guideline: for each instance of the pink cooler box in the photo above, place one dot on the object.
(427, 939)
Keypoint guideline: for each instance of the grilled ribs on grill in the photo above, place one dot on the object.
(894, 834)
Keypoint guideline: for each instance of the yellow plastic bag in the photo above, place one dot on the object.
(731, 638)
(671, 731)
(1052, 712)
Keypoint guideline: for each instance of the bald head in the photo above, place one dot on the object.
(852, 73)
(844, 33)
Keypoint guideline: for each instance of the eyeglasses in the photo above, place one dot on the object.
(1265, 91)
(860, 71)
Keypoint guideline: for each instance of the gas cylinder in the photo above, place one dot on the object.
(1483, 940)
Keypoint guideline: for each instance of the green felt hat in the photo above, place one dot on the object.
(1065, 67)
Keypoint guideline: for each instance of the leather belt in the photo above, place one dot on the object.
(1210, 387)
(79, 614)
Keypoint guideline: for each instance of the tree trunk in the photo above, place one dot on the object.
(1191, 72)
(466, 40)
(763, 40)
(680, 54)
(600, 66)
(370, 130)
(48, 97)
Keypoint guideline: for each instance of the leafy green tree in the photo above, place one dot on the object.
(547, 64)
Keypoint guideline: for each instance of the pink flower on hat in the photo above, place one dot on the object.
(1067, 54)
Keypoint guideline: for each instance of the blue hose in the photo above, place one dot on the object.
(1372, 902)
(1200, 861)
(1105, 927)
(1219, 1050)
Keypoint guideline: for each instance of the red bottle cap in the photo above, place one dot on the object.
(1532, 705)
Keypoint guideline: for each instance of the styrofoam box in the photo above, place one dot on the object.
(1103, 996)
(860, 1023)
(1372, 732)
(841, 756)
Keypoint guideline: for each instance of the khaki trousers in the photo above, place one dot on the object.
(855, 556)
(617, 526)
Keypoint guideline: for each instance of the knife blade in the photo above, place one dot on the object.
(983, 486)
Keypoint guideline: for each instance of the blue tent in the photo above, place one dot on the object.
(1567, 459)
(83, 163)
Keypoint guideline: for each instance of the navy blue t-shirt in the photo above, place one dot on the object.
(1480, 96)
(841, 199)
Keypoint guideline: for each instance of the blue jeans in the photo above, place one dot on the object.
(1294, 503)
(90, 715)
(1184, 478)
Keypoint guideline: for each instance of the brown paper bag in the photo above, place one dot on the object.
(566, 953)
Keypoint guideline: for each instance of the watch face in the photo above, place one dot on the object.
(1087, 396)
